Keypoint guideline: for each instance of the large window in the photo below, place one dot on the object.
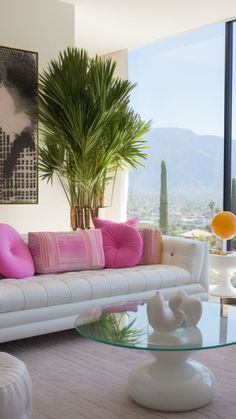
(180, 87)
(233, 192)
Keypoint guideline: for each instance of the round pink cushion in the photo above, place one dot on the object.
(15, 258)
(122, 245)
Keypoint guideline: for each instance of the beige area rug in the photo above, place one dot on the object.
(75, 378)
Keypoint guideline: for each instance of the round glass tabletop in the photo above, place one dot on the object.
(126, 325)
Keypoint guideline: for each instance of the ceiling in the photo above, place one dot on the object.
(104, 26)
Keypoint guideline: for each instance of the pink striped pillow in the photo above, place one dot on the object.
(152, 246)
(67, 251)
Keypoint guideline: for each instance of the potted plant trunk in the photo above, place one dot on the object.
(88, 129)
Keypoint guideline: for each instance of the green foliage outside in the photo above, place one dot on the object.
(163, 220)
(233, 196)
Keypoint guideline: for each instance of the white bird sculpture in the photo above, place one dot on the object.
(181, 310)
(192, 308)
(163, 317)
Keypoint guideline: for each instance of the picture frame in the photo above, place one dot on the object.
(18, 128)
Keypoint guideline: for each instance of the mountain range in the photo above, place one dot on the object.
(194, 164)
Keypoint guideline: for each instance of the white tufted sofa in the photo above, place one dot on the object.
(48, 303)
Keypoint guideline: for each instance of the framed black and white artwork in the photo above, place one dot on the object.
(18, 129)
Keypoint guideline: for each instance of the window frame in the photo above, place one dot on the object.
(228, 109)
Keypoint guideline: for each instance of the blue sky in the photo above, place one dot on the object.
(180, 81)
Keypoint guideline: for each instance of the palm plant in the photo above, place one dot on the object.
(88, 129)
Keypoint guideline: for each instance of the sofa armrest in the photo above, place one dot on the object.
(189, 254)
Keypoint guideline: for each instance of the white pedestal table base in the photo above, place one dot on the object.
(224, 289)
(224, 266)
(171, 383)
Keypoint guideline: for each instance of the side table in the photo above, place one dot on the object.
(224, 265)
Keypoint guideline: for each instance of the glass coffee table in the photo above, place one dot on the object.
(172, 381)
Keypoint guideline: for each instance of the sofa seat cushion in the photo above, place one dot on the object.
(71, 287)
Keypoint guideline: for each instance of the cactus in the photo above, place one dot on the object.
(233, 196)
(163, 220)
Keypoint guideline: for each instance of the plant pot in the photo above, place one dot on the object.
(73, 218)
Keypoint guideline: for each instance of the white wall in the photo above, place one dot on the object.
(118, 208)
(47, 27)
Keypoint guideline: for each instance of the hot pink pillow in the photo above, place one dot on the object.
(99, 223)
(122, 245)
(67, 251)
(15, 258)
